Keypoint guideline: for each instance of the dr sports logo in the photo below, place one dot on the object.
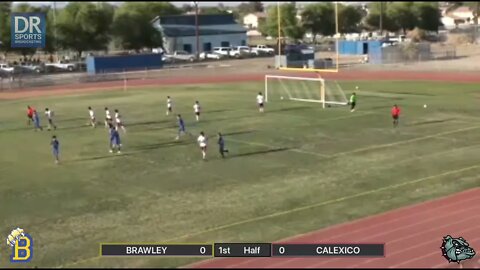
(22, 246)
(28, 30)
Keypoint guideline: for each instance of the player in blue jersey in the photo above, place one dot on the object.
(181, 126)
(36, 120)
(221, 145)
(115, 143)
(55, 148)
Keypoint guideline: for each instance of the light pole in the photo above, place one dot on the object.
(197, 36)
(55, 28)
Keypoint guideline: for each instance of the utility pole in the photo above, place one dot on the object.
(55, 28)
(197, 35)
(477, 14)
(381, 18)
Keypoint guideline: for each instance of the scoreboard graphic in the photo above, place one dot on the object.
(242, 250)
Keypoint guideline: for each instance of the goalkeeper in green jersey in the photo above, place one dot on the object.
(353, 102)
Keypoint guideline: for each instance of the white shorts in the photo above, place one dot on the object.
(203, 145)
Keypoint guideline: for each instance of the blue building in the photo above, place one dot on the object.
(218, 30)
(362, 47)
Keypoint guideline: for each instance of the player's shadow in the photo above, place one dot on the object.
(147, 123)
(289, 109)
(263, 152)
(238, 132)
(112, 155)
(430, 122)
(150, 147)
(218, 111)
(72, 127)
(72, 119)
(207, 120)
(146, 128)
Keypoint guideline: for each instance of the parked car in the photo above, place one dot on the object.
(180, 56)
(225, 51)
(262, 50)
(6, 68)
(32, 68)
(211, 55)
(247, 51)
(61, 65)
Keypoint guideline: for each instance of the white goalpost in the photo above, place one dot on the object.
(306, 89)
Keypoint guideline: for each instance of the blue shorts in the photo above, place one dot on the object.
(56, 152)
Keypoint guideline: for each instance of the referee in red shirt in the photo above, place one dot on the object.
(395, 115)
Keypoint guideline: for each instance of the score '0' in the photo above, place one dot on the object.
(281, 250)
(202, 250)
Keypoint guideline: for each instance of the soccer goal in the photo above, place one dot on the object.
(306, 89)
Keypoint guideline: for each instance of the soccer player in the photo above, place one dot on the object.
(395, 115)
(169, 105)
(119, 122)
(221, 145)
(36, 120)
(115, 142)
(93, 121)
(202, 142)
(181, 127)
(29, 115)
(260, 102)
(196, 108)
(108, 118)
(55, 148)
(353, 101)
(49, 115)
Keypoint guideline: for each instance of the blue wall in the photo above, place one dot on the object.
(375, 53)
(347, 47)
(120, 63)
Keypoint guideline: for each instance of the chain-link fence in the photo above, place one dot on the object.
(75, 80)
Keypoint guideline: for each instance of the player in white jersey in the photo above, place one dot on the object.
(108, 118)
(49, 115)
(118, 121)
(202, 142)
(93, 121)
(196, 108)
(260, 101)
(169, 105)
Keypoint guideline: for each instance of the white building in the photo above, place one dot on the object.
(252, 20)
(458, 17)
(218, 30)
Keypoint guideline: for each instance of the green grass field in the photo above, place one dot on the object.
(294, 169)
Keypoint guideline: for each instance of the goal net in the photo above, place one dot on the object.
(304, 89)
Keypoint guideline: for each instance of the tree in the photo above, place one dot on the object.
(250, 7)
(212, 10)
(349, 18)
(132, 25)
(403, 15)
(372, 21)
(290, 27)
(187, 8)
(428, 16)
(83, 26)
(319, 19)
(151, 9)
(5, 10)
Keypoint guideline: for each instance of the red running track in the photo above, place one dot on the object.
(412, 237)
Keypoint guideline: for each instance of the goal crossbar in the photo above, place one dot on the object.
(319, 90)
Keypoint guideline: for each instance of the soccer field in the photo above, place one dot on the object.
(294, 169)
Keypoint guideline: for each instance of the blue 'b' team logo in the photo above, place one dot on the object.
(28, 30)
(22, 246)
